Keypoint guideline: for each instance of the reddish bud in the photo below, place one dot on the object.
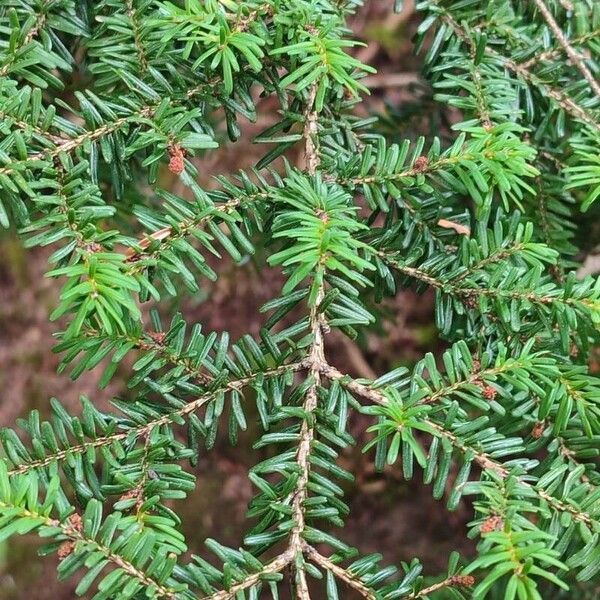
(65, 549)
(489, 393)
(421, 164)
(75, 522)
(462, 580)
(176, 163)
(538, 430)
(157, 336)
(492, 523)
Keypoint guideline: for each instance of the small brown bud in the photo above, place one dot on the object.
(176, 163)
(93, 247)
(65, 549)
(323, 216)
(157, 336)
(421, 164)
(538, 430)
(73, 525)
(130, 495)
(489, 393)
(492, 523)
(75, 522)
(462, 580)
(470, 302)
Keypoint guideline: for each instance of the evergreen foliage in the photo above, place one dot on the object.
(96, 98)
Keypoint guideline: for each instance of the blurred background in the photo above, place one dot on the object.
(421, 526)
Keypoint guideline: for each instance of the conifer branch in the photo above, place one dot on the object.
(569, 50)
(42, 133)
(556, 52)
(453, 581)
(449, 287)
(167, 236)
(120, 562)
(133, 18)
(482, 459)
(342, 574)
(414, 171)
(514, 409)
(568, 104)
(74, 534)
(69, 146)
(316, 358)
(151, 342)
(132, 433)
(562, 99)
(27, 39)
(495, 257)
(277, 565)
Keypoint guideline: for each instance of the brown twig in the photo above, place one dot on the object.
(315, 361)
(168, 233)
(311, 132)
(450, 287)
(556, 52)
(570, 51)
(342, 574)
(275, 566)
(452, 581)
